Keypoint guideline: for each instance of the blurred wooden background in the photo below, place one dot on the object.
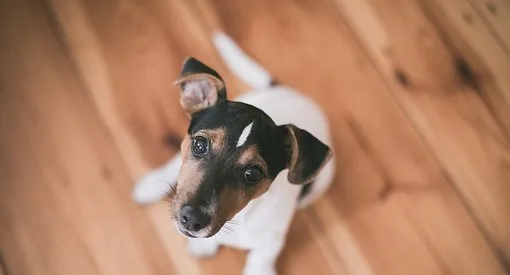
(418, 93)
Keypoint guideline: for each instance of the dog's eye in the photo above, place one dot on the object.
(199, 146)
(253, 175)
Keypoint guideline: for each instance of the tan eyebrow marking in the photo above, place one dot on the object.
(251, 155)
(216, 137)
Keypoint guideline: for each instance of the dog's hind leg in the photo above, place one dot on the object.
(157, 183)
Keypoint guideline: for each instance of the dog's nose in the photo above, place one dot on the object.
(193, 219)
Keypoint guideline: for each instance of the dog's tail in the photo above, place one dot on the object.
(241, 65)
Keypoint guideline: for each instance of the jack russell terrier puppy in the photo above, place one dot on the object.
(245, 166)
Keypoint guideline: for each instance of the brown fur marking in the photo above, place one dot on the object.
(216, 137)
(189, 176)
(251, 156)
(232, 200)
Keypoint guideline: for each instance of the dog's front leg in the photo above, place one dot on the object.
(262, 258)
(154, 185)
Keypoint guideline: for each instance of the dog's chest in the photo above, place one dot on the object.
(269, 214)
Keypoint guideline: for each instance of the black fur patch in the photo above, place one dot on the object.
(193, 66)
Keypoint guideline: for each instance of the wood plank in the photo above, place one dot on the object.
(495, 89)
(471, 40)
(23, 237)
(78, 34)
(65, 200)
(384, 225)
(337, 238)
(400, 211)
(24, 232)
(302, 248)
(451, 117)
(442, 234)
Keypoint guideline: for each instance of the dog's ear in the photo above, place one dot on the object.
(201, 86)
(306, 155)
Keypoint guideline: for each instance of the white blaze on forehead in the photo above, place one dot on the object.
(244, 135)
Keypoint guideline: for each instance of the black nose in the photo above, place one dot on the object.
(193, 219)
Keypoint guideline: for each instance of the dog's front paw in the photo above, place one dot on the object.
(259, 269)
(202, 248)
(150, 188)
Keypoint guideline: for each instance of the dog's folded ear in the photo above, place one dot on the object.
(306, 155)
(201, 86)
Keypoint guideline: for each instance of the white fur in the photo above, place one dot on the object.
(244, 135)
(202, 248)
(261, 226)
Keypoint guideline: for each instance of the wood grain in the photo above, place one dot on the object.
(63, 206)
(448, 114)
(496, 16)
(86, 105)
(474, 43)
(495, 90)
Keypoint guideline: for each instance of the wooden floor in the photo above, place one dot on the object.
(418, 93)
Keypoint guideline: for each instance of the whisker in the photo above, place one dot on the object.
(172, 186)
(169, 194)
(233, 233)
(227, 232)
(237, 223)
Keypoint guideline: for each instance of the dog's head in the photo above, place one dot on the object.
(231, 154)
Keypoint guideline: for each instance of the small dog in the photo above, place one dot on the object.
(245, 166)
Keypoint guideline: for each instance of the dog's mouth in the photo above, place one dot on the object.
(186, 233)
(206, 232)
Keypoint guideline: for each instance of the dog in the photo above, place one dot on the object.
(245, 166)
